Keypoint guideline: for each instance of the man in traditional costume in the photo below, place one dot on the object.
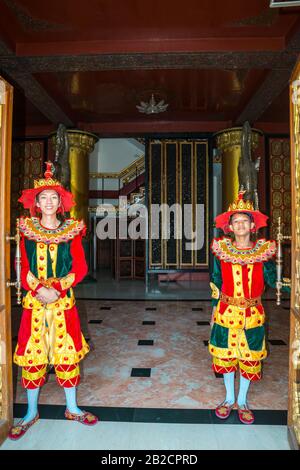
(241, 268)
(52, 263)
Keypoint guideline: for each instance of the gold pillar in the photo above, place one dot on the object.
(81, 144)
(229, 142)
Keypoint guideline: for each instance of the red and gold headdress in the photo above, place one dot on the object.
(238, 206)
(28, 198)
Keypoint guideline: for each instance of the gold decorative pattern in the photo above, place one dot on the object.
(232, 137)
(46, 182)
(294, 369)
(215, 292)
(237, 281)
(280, 178)
(220, 362)
(27, 158)
(49, 341)
(226, 251)
(251, 369)
(41, 254)
(34, 375)
(33, 230)
(32, 281)
(241, 205)
(67, 281)
(67, 374)
(235, 317)
(53, 247)
(222, 353)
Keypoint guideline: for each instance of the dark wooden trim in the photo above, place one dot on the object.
(40, 98)
(270, 89)
(4, 427)
(274, 60)
(5, 293)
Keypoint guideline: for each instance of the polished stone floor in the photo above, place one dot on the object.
(164, 345)
(50, 434)
(148, 375)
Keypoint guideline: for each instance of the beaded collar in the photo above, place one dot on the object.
(67, 230)
(263, 250)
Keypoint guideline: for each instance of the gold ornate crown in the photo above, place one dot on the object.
(48, 180)
(240, 204)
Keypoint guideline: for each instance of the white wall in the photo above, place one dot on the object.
(111, 156)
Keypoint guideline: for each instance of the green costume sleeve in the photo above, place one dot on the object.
(271, 277)
(216, 278)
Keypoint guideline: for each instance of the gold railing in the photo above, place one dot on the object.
(136, 168)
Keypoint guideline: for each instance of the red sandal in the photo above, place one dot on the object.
(223, 410)
(86, 418)
(20, 429)
(246, 416)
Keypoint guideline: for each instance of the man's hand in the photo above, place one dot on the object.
(212, 316)
(47, 295)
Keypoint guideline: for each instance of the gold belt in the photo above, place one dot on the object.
(48, 282)
(241, 302)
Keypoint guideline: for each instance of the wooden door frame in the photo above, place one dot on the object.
(293, 401)
(6, 388)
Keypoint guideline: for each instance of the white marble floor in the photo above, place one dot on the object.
(149, 436)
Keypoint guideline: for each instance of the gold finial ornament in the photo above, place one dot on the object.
(48, 180)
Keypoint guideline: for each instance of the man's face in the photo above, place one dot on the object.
(48, 201)
(241, 224)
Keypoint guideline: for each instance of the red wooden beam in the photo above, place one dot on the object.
(203, 44)
(108, 129)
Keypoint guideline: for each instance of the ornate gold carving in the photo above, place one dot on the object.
(84, 141)
(294, 374)
(296, 384)
(229, 143)
(81, 144)
(233, 137)
(215, 292)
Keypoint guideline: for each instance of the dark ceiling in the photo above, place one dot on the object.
(90, 63)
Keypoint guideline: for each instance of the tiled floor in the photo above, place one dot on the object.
(174, 356)
(169, 402)
(56, 435)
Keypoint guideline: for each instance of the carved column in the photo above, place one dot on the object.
(81, 144)
(229, 142)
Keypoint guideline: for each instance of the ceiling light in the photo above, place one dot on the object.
(152, 107)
